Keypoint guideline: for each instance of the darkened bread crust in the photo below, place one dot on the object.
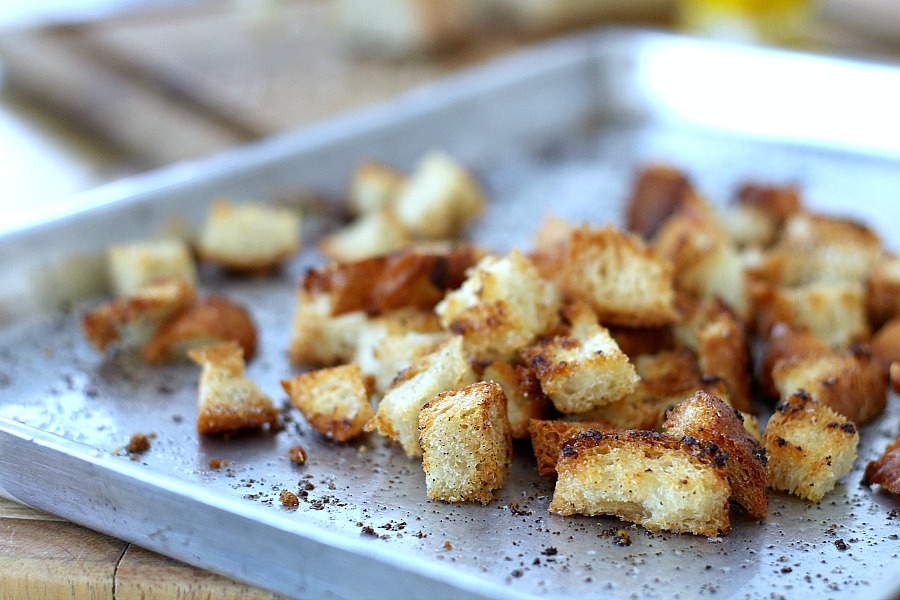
(657, 192)
(549, 437)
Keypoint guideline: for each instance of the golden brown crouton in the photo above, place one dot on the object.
(885, 471)
(229, 401)
(549, 248)
(835, 312)
(883, 290)
(549, 437)
(248, 237)
(810, 447)
(657, 192)
(782, 343)
(885, 345)
(208, 321)
(652, 479)
(134, 265)
(749, 226)
(319, 337)
(132, 320)
(373, 234)
(581, 373)
(446, 368)
(525, 400)
(644, 340)
(373, 187)
(439, 198)
(849, 382)
(502, 306)
(803, 229)
(709, 421)
(334, 401)
(895, 376)
(717, 336)
(625, 281)
(465, 441)
(410, 278)
(777, 202)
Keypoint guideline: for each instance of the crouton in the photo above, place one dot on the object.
(706, 262)
(652, 479)
(549, 247)
(803, 229)
(625, 281)
(885, 471)
(373, 187)
(784, 342)
(229, 401)
(849, 382)
(549, 437)
(134, 265)
(133, 319)
(391, 342)
(883, 290)
(373, 234)
(810, 447)
(710, 421)
(411, 278)
(446, 368)
(502, 306)
(777, 202)
(466, 444)
(525, 400)
(320, 338)
(439, 198)
(645, 340)
(835, 312)
(208, 321)
(248, 237)
(657, 192)
(885, 345)
(717, 336)
(749, 226)
(333, 401)
(581, 373)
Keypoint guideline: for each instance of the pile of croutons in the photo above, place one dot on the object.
(625, 355)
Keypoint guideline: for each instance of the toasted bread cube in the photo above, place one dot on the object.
(333, 400)
(502, 306)
(374, 187)
(134, 265)
(133, 319)
(788, 266)
(439, 199)
(777, 202)
(835, 312)
(393, 341)
(657, 193)
(810, 447)
(708, 420)
(446, 368)
(579, 374)
(525, 400)
(651, 479)
(228, 400)
(895, 377)
(319, 338)
(885, 344)
(625, 281)
(644, 340)
(850, 382)
(883, 290)
(782, 343)
(885, 471)
(412, 278)
(550, 247)
(803, 229)
(749, 226)
(466, 445)
(248, 237)
(209, 321)
(373, 234)
(549, 437)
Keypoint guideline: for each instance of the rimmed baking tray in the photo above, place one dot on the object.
(558, 129)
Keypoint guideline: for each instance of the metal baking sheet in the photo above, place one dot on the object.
(558, 129)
